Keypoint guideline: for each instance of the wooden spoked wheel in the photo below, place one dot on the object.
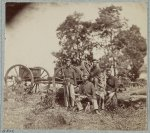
(58, 77)
(18, 75)
(41, 78)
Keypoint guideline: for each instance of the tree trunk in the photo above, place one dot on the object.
(114, 66)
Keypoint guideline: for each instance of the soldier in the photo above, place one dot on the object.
(95, 73)
(70, 82)
(87, 91)
(111, 88)
(74, 60)
(98, 76)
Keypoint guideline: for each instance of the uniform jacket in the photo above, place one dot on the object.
(111, 83)
(87, 88)
(69, 72)
(95, 71)
(99, 77)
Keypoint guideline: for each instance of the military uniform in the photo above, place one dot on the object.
(111, 84)
(70, 81)
(95, 71)
(88, 91)
(99, 80)
(111, 88)
(69, 73)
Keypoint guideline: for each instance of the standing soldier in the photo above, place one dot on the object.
(98, 77)
(70, 82)
(95, 73)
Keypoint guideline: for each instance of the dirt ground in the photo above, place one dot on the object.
(26, 113)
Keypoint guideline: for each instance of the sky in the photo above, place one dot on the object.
(31, 37)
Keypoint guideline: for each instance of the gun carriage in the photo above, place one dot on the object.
(38, 76)
(30, 77)
(34, 77)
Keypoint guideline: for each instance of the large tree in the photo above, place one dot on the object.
(133, 48)
(74, 36)
(109, 32)
(106, 27)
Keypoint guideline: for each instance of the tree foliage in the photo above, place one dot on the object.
(124, 47)
(107, 26)
(74, 36)
(133, 47)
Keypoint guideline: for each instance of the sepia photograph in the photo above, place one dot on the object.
(75, 66)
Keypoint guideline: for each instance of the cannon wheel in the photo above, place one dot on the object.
(59, 72)
(42, 80)
(13, 78)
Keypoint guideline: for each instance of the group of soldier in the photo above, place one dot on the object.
(96, 85)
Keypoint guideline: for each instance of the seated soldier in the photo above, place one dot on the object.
(87, 91)
(111, 88)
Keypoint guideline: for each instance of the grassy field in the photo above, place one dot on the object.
(26, 113)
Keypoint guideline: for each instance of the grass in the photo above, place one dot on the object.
(26, 113)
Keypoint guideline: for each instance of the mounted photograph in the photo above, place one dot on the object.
(75, 66)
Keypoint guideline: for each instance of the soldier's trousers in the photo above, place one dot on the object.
(69, 95)
(112, 97)
(94, 103)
